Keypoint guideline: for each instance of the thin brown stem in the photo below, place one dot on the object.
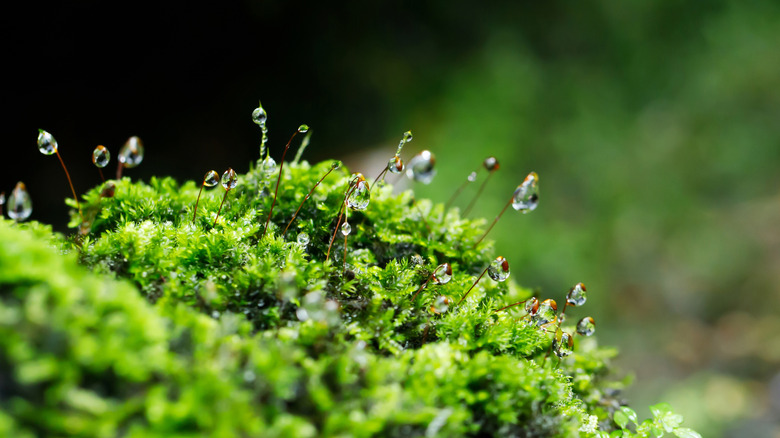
(119, 167)
(278, 181)
(220, 207)
(381, 174)
(455, 195)
(511, 305)
(76, 198)
(304, 200)
(494, 222)
(341, 212)
(467, 210)
(421, 288)
(196, 203)
(472, 286)
(101, 174)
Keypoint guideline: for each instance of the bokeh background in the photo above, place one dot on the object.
(654, 127)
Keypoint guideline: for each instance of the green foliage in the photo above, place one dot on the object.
(238, 334)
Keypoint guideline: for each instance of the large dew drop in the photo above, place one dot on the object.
(491, 164)
(2, 201)
(359, 193)
(499, 269)
(421, 167)
(346, 228)
(563, 346)
(586, 326)
(211, 178)
(229, 179)
(577, 295)
(441, 305)
(46, 143)
(101, 156)
(259, 116)
(132, 152)
(269, 166)
(526, 196)
(442, 274)
(532, 306)
(19, 203)
(395, 165)
(546, 312)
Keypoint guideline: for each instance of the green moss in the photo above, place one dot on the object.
(235, 334)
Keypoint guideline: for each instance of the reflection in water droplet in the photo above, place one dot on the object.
(229, 179)
(132, 152)
(546, 312)
(359, 195)
(395, 165)
(19, 203)
(269, 166)
(491, 164)
(46, 143)
(407, 136)
(577, 295)
(101, 156)
(421, 167)
(586, 326)
(472, 177)
(441, 305)
(335, 165)
(499, 269)
(442, 274)
(526, 196)
(211, 178)
(259, 116)
(563, 346)
(346, 228)
(303, 129)
(532, 306)
(303, 239)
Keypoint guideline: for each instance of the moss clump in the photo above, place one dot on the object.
(234, 334)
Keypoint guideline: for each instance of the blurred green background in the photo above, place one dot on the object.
(654, 127)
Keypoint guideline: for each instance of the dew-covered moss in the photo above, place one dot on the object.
(175, 327)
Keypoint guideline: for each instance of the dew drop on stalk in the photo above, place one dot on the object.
(577, 295)
(269, 166)
(359, 194)
(19, 203)
(395, 165)
(335, 165)
(132, 152)
(532, 306)
(442, 274)
(211, 178)
(2, 201)
(302, 239)
(229, 179)
(586, 326)
(259, 116)
(346, 228)
(46, 143)
(526, 196)
(421, 167)
(472, 177)
(491, 164)
(441, 305)
(546, 312)
(563, 346)
(499, 269)
(101, 156)
(303, 129)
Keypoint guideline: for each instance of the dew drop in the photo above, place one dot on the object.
(46, 143)
(269, 166)
(229, 179)
(407, 136)
(491, 164)
(303, 239)
(2, 201)
(472, 176)
(586, 326)
(395, 165)
(417, 260)
(577, 295)
(259, 116)
(563, 346)
(359, 195)
(101, 156)
(211, 178)
(442, 274)
(532, 306)
(562, 318)
(303, 129)
(132, 152)
(335, 165)
(499, 269)
(526, 196)
(421, 167)
(441, 305)
(346, 228)
(546, 312)
(19, 203)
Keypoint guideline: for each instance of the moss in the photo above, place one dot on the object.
(174, 327)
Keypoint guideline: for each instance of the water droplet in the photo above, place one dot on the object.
(499, 269)
(395, 165)
(586, 326)
(259, 116)
(211, 178)
(417, 260)
(346, 228)
(472, 176)
(229, 179)
(442, 274)
(269, 166)
(303, 129)
(441, 305)
(562, 318)
(491, 164)
(2, 200)
(101, 156)
(532, 306)
(303, 239)
(46, 143)
(407, 136)
(577, 295)
(546, 312)
(421, 167)
(359, 195)
(19, 203)
(132, 152)
(526, 196)
(335, 165)
(563, 346)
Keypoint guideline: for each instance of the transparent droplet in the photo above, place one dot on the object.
(417, 260)
(421, 167)
(562, 318)
(259, 116)
(101, 156)
(132, 152)
(346, 228)
(303, 239)
(442, 274)
(546, 312)
(395, 165)
(526, 196)
(441, 305)
(563, 346)
(303, 129)
(472, 176)
(211, 178)
(46, 143)
(577, 295)
(491, 164)
(335, 165)
(532, 306)
(19, 203)
(229, 179)
(407, 136)
(586, 326)
(2, 200)
(499, 269)
(269, 166)
(359, 195)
